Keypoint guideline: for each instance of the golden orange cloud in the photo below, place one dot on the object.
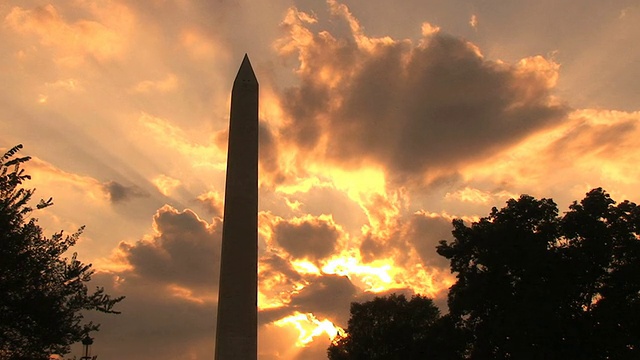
(410, 111)
(309, 327)
(165, 184)
(163, 135)
(199, 46)
(48, 177)
(105, 36)
(169, 83)
(591, 148)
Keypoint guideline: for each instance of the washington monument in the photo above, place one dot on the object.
(237, 328)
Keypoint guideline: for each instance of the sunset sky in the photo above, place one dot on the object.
(381, 121)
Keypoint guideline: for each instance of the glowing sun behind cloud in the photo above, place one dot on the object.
(309, 327)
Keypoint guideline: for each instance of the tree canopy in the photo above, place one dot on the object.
(43, 293)
(393, 327)
(531, 284)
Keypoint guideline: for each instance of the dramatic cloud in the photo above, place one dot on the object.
(170, 280)
(184, 251)
(419, 233)
(278, 281)
(593, 148)
(308, 238)
(410, 107)
(180, 260)
(328, 296)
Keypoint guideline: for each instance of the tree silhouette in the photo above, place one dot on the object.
(42, 292)
(393, 328)
(533, 285)
(530, 285)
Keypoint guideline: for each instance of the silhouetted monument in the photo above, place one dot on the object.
(237, 328)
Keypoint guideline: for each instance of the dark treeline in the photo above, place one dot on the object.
(531, 284)
(43, 294)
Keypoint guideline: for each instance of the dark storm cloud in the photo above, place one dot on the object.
(277, 279)
(185, 250)
(269, 155)
(119, 193)
(373, 247)
(311, 238)
(326, 296)
(412, 107)
(424, 233)
(273, 265)
(170, 286)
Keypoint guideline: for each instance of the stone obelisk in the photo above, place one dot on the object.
(237, 328)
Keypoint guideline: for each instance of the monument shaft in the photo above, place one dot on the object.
(237, 324)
